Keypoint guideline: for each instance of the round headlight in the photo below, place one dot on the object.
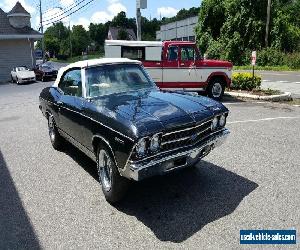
(154, 143)
(141, 147)
(215, 123)
(222, 121)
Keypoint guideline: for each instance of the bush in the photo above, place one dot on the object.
(270, 57)
(293, 60)
(245, 81)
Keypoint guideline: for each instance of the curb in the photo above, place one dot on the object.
(286, 96)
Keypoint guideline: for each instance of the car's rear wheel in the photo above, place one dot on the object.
(55, 137)
(114, 186)
(12, 79)
(216, 89)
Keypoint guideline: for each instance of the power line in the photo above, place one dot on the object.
(66, 10)
(70, 13)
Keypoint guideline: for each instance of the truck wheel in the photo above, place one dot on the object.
(114, 186)
(55, 137)
(216, 89)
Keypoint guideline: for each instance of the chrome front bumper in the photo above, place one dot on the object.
(176, 160)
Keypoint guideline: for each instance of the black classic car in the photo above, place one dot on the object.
(113, 112)
(45, 72)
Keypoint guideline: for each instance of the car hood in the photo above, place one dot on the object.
(49, 70)
(217, 63)
(25, 74)
(150, 111)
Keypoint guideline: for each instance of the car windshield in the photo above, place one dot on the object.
(110, 79)
(21, 68)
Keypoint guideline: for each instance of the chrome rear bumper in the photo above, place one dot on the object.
(173, 161)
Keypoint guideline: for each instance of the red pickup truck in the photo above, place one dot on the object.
(176, 65)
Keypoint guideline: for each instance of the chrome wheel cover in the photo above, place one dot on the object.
(51, 129)
(105, 169)
(217, 90)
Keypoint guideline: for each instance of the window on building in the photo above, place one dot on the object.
(71, 83)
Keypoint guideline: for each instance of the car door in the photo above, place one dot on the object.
(71, 103)
(189, 68)
(13, 74)
(170, 68)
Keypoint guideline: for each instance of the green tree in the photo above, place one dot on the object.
(230, 29)
(80, 39)
(98, 33)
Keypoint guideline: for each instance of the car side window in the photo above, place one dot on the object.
(187, 53)
(173, 53)
(71, 83)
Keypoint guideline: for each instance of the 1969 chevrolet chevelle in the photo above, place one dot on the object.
(113, 112)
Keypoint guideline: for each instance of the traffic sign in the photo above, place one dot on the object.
(253, 58)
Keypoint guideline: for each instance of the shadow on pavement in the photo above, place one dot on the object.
(177, 206)
(16, 231)
(85, 162)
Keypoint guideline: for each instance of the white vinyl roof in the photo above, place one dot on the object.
(92, 63)
(133, 43)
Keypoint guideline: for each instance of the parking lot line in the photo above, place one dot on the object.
(239, 103)
(266, 119)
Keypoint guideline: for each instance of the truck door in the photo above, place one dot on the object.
(170, 68)
(188, 67)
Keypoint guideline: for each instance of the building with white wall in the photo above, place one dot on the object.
(16, 41)
(183, 30)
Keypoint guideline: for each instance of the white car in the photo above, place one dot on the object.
(22, 75)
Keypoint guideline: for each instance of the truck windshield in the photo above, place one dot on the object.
(110, 79)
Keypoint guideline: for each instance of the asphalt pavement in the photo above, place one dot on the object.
(53, 200)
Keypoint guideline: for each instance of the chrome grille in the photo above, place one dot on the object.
(185, 137)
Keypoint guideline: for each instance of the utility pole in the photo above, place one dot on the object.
(70, 39)
(42, 31)
(140, 4)
(138, 24)
(268, 23)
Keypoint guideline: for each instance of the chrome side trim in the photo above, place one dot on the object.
(178, 131)
(90, 119)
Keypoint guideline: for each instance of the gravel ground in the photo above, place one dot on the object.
(51, 199)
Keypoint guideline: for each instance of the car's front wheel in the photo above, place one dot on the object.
(216, 89)
(17, 81)
(55, 137)
(114, 186)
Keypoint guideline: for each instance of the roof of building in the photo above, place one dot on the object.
(133, 43)
(18, 9)
(92, 63)
(114, 32)
(7, 30)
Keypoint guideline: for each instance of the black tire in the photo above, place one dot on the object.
(12, 79)
(114, 186)
(17, 81)
(215, 89)
(55, 138)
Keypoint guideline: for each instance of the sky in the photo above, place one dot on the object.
(98, 11)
